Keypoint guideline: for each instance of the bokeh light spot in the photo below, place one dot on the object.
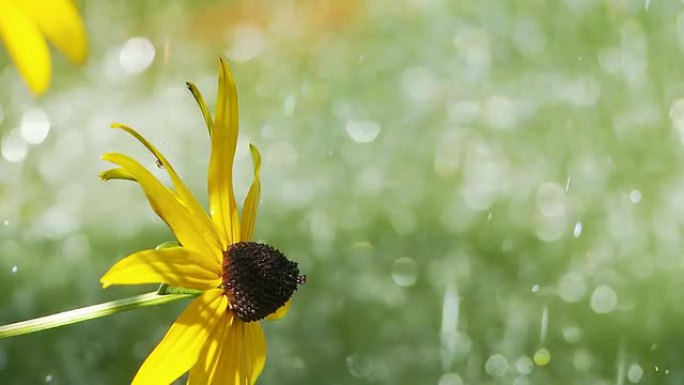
(404, 272)
(35, 126)
(496, 365)
(136, 55)
(363, 131)
(604, 299)
(542, 357)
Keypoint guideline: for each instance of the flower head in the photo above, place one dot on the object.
(24, 26)
(217, 337)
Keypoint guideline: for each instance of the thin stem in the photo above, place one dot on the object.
(89, 312)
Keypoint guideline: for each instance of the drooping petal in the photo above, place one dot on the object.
(238, 362)
(60, 22)
(202, 105)
(249, 209)
(186, 227)
(189, 200)
(222, 202)
(26, 46)
(281, 312)
(175, 266)
(180, 348)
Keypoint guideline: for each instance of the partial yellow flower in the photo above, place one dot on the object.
(218, 337)
(24, 26)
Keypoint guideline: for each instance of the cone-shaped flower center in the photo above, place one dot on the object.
(258, 279)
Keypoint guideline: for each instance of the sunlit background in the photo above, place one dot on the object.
(484, 192)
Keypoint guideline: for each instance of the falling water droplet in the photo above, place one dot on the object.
(544, 323)
(404, 272)
(635, 196)
(577, 231)
(535, 288)
(49, 379)
(6, 222)
(15, 268)
(567, 185)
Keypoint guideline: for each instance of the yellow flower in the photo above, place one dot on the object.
(24, 25)
(217, 338)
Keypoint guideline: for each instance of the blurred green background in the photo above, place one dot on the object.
(472, 187)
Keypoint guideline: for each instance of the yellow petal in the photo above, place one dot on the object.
(186, 196)
(202, 105)
(249, 209)
(239, 360)
(281, 312)
(175, 266)
(180, 348)
(116, 173)
(204, 371)
(26, 46)
(185, 226)
(222, 203)
(61, 24)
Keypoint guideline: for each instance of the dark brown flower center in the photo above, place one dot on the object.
(258, 279)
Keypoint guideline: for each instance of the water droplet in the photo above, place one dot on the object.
(567, 185)
(577, 231)
(603, 299)
(635, 196)
(634, 373)
(49, 379)
(14, 269)
(489, 216)
(363, 131)
(35, 126)
(657, 369)
(404, 272)
(542, 357)
(572, 287)
(450, 379)
(358, 365)
(6, 222)
(524, 365)
(136, 55)
(536, 288)
(159, 163)
(496, 365)
(667, 371)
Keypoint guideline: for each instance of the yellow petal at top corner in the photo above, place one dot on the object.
(24, 26)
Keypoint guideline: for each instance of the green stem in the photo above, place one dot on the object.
(90, 312)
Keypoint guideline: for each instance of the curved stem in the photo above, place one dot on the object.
(90, 312)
